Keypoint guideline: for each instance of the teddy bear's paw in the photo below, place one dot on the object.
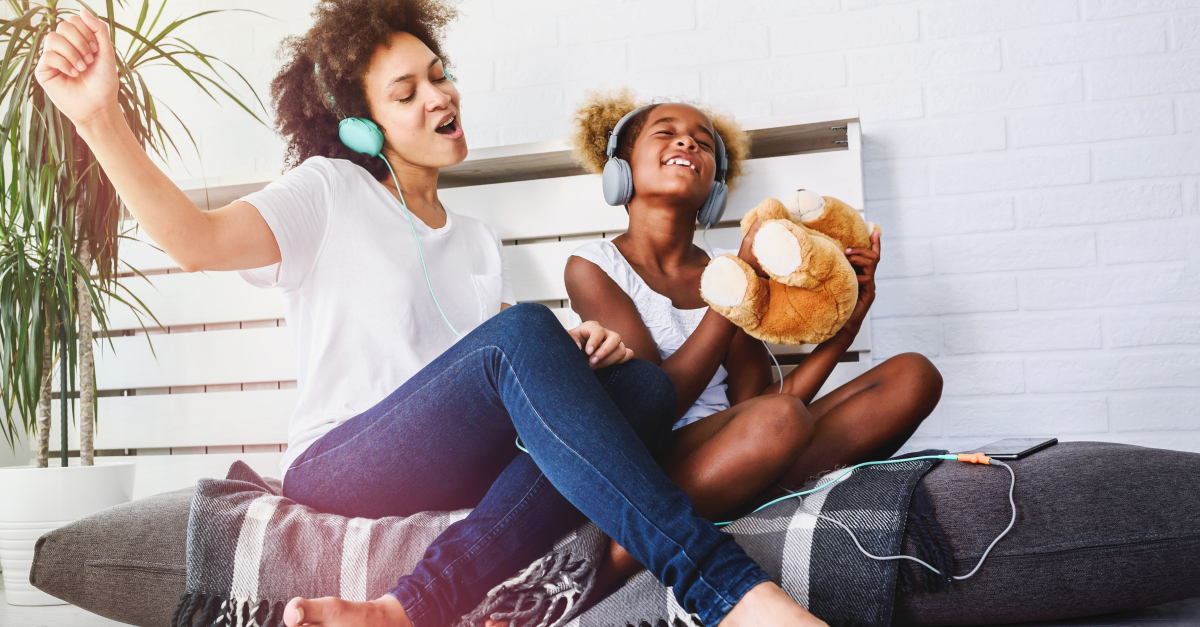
(724, 282)
(730, 286)
(805, 206)
(784, 250)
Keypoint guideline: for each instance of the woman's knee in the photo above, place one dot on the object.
(525, 324)
(533, 316)
(652, 389)
(654, 381)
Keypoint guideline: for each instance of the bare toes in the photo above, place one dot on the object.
(293, 614)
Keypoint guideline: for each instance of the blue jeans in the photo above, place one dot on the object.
(445, 440)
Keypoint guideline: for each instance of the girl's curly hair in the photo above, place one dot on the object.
(601, 110)
(341, 42)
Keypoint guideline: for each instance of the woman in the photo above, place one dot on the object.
(391, 401)
(737, 433)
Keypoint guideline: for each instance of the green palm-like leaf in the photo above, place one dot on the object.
(50, 178)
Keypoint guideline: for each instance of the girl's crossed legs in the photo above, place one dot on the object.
(730, 460)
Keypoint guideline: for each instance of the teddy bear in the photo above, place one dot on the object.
(812, 289)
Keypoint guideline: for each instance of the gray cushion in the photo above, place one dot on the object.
(1101, 528)
(127, 563)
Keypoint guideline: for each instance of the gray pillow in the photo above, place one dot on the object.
(127, 563)
(1101, 528)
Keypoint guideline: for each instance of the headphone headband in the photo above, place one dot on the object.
(617, 180)
(614, 138)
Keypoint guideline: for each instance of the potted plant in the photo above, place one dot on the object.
(60, 226)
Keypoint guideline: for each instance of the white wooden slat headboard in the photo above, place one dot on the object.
(220, 384)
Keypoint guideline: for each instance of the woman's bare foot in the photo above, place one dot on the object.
(385, 611)
(767, 605)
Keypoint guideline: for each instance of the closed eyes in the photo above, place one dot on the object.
(442, 79)
(698, 141)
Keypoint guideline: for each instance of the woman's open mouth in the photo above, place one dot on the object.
(450, 128)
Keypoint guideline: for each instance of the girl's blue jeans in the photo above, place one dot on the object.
(445, 440)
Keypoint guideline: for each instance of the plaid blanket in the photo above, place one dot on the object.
(250, 550)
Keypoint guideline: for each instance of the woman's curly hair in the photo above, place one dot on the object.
(601, 110)
(341, 42)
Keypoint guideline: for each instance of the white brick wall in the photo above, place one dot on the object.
(1034, 165)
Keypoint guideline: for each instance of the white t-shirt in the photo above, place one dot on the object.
(357, 306)
(669, 326)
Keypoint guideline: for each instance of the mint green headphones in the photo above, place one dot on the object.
(360, 134)
(365, 137)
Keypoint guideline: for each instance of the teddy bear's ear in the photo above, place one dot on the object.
(804, 205)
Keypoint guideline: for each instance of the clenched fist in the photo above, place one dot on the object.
(78, 68)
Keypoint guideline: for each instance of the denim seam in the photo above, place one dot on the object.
(699, 571)
(417, 611)
(499, 527)
(613, 377)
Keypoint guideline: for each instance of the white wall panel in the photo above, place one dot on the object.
(205, 358)
(182, 298)
(162, 473)
(186, 420)
(537, 269)
(574, 205)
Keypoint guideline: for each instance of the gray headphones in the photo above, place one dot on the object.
(618, 178)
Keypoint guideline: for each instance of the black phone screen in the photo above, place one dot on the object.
(1016, 448)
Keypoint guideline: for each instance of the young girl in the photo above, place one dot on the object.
(736, 435)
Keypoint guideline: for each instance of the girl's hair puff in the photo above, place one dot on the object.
(600, 111)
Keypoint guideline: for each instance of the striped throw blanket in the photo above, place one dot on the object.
(250, 550)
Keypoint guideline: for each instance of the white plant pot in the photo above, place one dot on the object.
(35, 501)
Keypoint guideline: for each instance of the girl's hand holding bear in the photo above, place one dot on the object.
(865, 262)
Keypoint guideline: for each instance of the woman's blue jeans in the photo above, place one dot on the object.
(445, 440)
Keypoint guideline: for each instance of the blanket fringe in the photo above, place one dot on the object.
(185, 610)
(546, 594)
(195, 609)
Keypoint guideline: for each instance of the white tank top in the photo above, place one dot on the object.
(669, 326)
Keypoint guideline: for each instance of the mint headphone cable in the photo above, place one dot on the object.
(420, 253)
(365, 137)
(887, 558)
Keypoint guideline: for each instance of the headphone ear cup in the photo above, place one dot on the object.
(361, 135)
(714, 207)
(617, 181)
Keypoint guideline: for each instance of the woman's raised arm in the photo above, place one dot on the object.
(78, 71)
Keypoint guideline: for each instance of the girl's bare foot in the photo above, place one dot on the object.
(385, 611)
(767, 605)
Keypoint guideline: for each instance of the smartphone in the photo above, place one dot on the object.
(1016, 448)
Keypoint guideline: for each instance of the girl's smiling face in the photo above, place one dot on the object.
(415, 103)
(673, 161)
